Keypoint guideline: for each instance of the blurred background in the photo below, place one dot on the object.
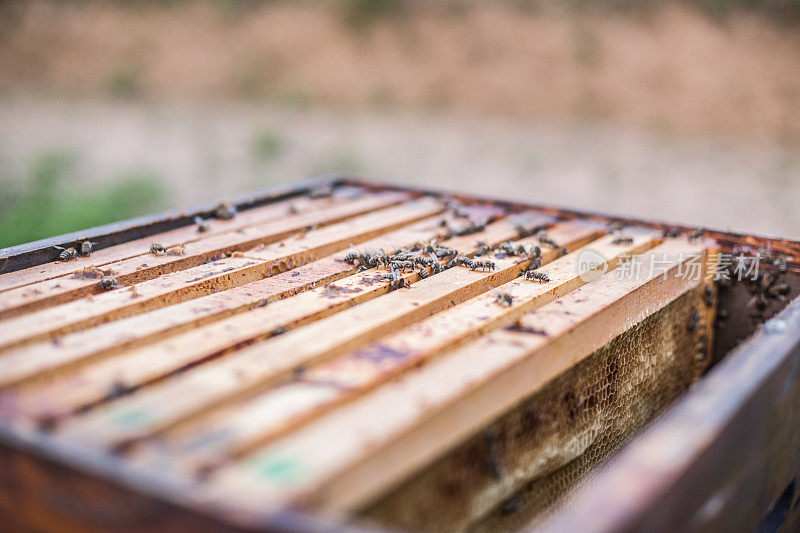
(680, 111)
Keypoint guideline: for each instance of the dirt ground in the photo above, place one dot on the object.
(664, 66)
(202, 152)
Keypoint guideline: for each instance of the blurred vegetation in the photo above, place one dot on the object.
(52, 201)
(268, 144)
(125, 81)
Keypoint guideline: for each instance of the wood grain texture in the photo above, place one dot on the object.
(145, 266)
(180, 285)
(83, 387)
(280, 379)
(377, 440)
(245, 370)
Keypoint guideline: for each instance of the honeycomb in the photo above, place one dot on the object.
(535, 455)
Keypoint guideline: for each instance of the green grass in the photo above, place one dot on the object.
(54, 201)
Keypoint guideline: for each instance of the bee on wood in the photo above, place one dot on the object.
(672, 233)
(708, 296)
(67, 254)
(694, 320)
(483, 264)
(503, 299)
(615, 226)
(225, 211)
(87, 247)
(180, 250)
(402, 265)
(445, 251)
(696, 234)
(547, 241)
(472, 227)
(436, 265)
(422, 273)
(523, 231)
(157, 249)
(321, 191)
(202, 225)
(535, 275)
(484, 250)
(351, 258)
(622, 240)
(395, 278)
(454, 262)
(108, 284)
(493, 459)
(535, 263)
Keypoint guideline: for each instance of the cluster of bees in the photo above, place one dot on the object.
(68, 254)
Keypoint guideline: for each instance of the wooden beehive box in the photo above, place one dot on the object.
(346, 355)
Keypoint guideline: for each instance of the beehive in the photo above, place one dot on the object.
(340, 354)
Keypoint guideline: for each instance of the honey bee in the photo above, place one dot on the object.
(225, 211)
(202, 225)
(108, 284)
(422, 273)
(696, 234)
(394, 277)
(483, 250)
(535, 263)
(547, 241)
(444, 251)
(321, 191)
(402, 265)
(535, 275)
(708, 296)
(672, 233)
(503, 299)
(435, 264)
(67, 254)
(469, 229)
(157, 249)
(483, 264)
(87, 247)
(694, 320)
(615, 226)
(523, 231)
(622, 240)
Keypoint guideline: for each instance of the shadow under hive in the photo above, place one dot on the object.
(339, 354)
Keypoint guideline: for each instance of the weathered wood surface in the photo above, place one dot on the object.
(179, 285)
(146, 266)
(282, 376)
(402, 425)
